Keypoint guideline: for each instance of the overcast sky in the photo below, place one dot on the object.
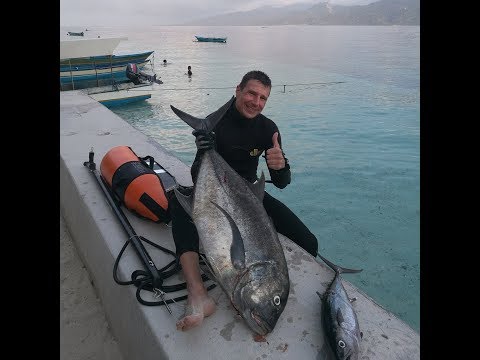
(162, 12)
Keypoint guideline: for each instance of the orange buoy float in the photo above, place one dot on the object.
(135, 184)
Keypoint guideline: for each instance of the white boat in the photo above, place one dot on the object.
(86, 47)
(121, 94)
(88, 64)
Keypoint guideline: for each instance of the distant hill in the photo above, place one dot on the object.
(383, 12)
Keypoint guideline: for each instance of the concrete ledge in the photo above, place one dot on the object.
(149, 332)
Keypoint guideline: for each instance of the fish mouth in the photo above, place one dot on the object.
(252, 316)
(261, 325)
(255, 322)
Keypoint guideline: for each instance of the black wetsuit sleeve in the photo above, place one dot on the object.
(281, 178)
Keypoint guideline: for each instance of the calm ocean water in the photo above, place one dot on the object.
(350, 121)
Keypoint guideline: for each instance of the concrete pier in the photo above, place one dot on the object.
(149, 332)
(84, 329)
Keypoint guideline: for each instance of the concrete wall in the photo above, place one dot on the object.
(145, 332)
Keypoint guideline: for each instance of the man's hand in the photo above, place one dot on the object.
(203, 140)
(274, 155)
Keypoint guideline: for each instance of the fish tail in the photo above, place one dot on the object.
(194, 122)
(338, 269)
(207, 124)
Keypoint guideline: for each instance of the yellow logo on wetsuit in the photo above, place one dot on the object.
(255, 152)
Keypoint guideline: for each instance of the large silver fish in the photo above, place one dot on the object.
(239, 242)
(339, 320)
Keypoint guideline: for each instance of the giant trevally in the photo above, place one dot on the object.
(239, 242)
(339, 320)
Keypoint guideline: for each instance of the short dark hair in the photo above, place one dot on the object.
(255, 75)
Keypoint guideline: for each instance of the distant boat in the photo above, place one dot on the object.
(71, 33)
(211, 39)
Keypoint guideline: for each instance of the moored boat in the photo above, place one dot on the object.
(211, 39)
(121, 94)
(88, 63)
(80, 73)
(72, 33)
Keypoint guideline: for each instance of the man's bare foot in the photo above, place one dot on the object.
(199, 304)
(197, 308)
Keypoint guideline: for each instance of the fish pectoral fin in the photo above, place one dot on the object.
(237, 255)
(352, 299)
(237, 249)
(185, 201)
(340, 318)
(258, 187)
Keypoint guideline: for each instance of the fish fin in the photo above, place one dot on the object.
(185, 201)
(237, 249)
(209, 122)
(258, 187)
(214, 118)
(352, 299)
(206, 267)
(338, 269)
(194, 122)
(361, 335)
(340, 318)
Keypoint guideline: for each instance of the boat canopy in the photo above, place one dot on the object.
(77, 48)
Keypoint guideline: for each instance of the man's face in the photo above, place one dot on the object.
(252, 99)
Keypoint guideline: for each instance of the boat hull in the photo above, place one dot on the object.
(89, 65)
(81, 73)
(113, 96)
(110, 103)
(211, 39)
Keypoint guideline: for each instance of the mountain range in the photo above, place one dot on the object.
(382, 12)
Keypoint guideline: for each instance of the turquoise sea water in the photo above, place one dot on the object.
(350, 121)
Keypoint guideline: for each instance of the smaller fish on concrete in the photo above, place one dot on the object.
(339, 320)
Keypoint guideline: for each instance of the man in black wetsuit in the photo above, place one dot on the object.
(240, 137)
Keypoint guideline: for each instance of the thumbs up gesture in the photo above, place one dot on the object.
(274, 155)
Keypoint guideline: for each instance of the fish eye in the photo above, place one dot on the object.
(276, 300)
(341, 343)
